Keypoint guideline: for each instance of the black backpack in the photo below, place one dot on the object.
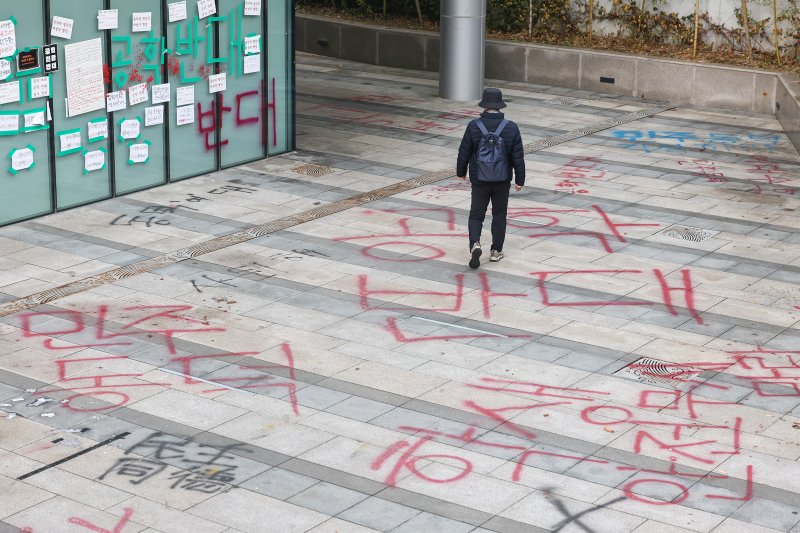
(491, 161)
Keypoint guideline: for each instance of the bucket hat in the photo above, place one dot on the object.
(492, 99)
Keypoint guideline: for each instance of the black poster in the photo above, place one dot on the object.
(50, 58)
(28, 59)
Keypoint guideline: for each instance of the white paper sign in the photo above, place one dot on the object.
(85, 85)
(94, 160)
(252, 8)
(252, 45)
(252, 64)
(33, 120)
(8, 38)
(62, 28)
(116, 101)
(98, 130)
(206, 8)
(161, 93)
(154, 116)
(139, 153)
(40, 87)
(130, 129)
(185, 115)
(185, 95)
(217, 83)
(9, 123)
(5, 69)
(22, 159)
(137, 93)
(142, 21)
(177, 11)
(9, 92)
(49, 113)
(108, 19)
(70, 141)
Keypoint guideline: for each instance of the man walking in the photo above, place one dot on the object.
(492, 148)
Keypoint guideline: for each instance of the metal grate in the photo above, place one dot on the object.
(688, 233)
(312, 170)
(655, 372)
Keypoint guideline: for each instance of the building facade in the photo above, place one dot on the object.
(100, 98)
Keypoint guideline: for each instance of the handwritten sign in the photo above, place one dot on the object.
(129, 129)
(40, 87)
(252, 64)
(177, 11)
(85, 85)
(108, 19)
(142, 21)
(217, 83)
(252, 44)
(161, 93)
(9, 123)
(5, 69)
(139, 153)
(94, 160)
(34, 120)
(70, 141)
(137, 93)
(9, 92)
(98, 130)
(206, 8)
(185, 115)
(22, 159)
(185, 95)
(62, 27)
(154, 116)
(116, 101)
(8, 38)
(252, 8)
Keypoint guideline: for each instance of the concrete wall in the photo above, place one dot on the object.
(679, 82)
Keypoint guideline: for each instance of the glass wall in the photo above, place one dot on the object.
(95, 115)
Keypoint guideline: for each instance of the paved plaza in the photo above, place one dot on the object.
(297, 344)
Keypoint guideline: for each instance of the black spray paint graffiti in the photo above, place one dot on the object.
(575, 518)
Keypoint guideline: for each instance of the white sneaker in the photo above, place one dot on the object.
(475, 260)
(496, 256)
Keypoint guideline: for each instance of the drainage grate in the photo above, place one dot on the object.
(688, 233)
(312, 170)
(655, 372)
(566, 101)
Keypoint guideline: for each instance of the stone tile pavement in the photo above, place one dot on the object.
(297, 344)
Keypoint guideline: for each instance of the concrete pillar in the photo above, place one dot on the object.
(462, 38)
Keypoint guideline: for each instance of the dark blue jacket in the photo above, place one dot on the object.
(512, 140)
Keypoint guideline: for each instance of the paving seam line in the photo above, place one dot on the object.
(225, 241)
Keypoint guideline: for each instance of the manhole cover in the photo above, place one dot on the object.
(312, 170)
(566, 101)
(655, 372)
(688, 233)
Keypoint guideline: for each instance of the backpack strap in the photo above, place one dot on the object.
(481, 126)
(500, 128)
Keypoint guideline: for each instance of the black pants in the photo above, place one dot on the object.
(482, 194)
